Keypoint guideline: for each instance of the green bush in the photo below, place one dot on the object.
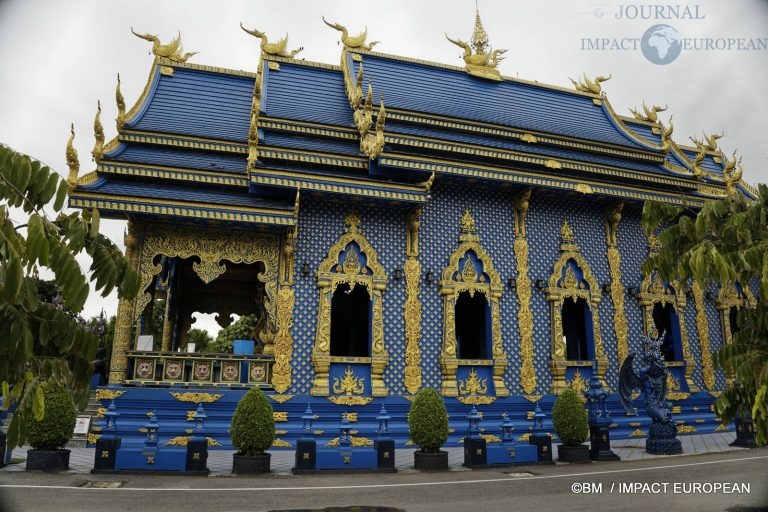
(58, 423)
(253, 425)
(428, 421)
(569, 417)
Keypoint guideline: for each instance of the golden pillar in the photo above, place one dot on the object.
(124, 322)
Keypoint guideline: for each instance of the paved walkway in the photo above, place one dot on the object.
(220, 461)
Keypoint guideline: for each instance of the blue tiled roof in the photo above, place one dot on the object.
(524, 147)
(306, 93)
(708, 163)
(179, 157)
(119, 187)
(645, 131)
(430, 89)
(307, 143)
(198, 103)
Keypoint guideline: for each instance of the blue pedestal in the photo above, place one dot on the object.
(150, 460)
(346, 458)
(246, 348)
(510, 453)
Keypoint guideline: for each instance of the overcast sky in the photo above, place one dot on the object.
(58, 58)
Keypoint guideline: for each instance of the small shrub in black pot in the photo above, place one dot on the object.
(428, 428)
(252, 431)
(48, 436)
(569, 416)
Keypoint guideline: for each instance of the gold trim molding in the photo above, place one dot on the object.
(456, 280)
(333, 272)
(620, 326)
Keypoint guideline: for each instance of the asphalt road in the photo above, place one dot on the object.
(698, 483)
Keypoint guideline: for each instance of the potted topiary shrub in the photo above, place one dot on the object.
(252, 431)
(428, 428)
(48, 436)
(569, 416)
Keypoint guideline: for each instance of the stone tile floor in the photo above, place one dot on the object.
(220, 461)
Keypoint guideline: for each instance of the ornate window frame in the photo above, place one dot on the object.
(563, 284)
(729, 297)
(456, 280)
(334, 271)
(653, 290)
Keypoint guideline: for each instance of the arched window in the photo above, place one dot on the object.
(472, 317)
(574, 297)
(667, 323)
(731, 298)
(576, 316)
(471, 289)
(351, 321)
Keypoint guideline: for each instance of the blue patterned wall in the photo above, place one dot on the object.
(321, 223)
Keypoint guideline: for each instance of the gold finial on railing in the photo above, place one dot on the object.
(591, 86)
(98, 133)
(479, 58)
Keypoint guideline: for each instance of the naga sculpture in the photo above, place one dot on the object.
(732, 175)
(652, 380)
(355, 42)
(172, 51)
(592, 86)
(649, 114)
(278, 49)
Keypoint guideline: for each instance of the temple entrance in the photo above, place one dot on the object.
(351, 321)
(178, 293)
(733, 320)
(576, 316)
(666, 322)
(472, 317)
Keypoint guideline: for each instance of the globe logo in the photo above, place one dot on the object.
(661, 44)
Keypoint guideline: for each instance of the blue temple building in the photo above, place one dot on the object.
(397, 224)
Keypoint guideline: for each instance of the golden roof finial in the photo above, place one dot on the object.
(355, 42)
(171, 51)
(666, 136)
(72, 161)
(479, 59)
(120, 105)
(468, 230)
(253, 141)
(372, 144)
(479, 37)
(352, 221)
(278, 49)
(98, 133)
(731, 175)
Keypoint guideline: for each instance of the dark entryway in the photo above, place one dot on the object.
(666, 322)
(472, 326)
(350, 321)
(574, 318)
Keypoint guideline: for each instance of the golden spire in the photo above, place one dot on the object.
(566, 232)
(468, 230)
(479, 37)
(72, 161)
(98, 133)
(120, 105)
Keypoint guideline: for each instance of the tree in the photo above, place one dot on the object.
(38, 341)
(200, 338)
(243, 328)
(725, 241)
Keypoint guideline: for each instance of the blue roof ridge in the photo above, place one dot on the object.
(202, 67)
(302, 62)
(624, 129)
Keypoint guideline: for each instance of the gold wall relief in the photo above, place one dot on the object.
(333, 272)
(124, 321)
(702, 326)
(286, 300)
(523, 287)
(412, 313)
(620, 326)
(565, 285)
(457, 279)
